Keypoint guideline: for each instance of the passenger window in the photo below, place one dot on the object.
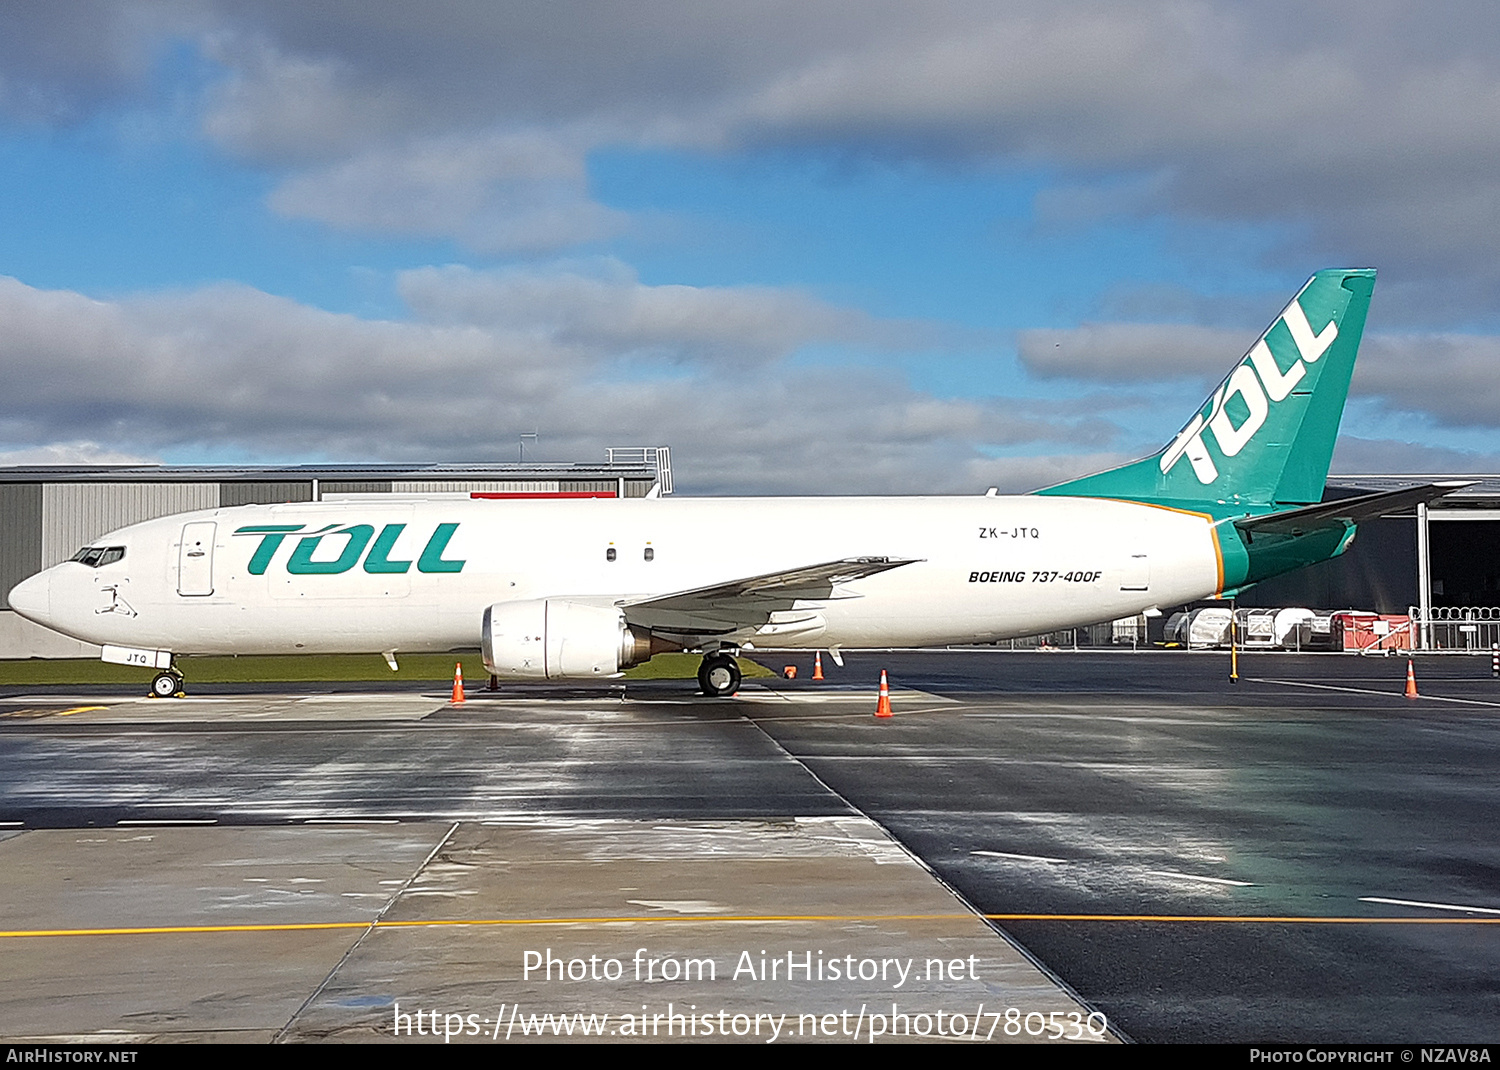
(650, 554)
(609, 555)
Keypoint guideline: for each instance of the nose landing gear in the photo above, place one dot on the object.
(168, 684)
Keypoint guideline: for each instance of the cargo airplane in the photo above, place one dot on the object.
(568, 589)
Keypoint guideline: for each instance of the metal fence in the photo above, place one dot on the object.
(657, 457)
(1457, 629)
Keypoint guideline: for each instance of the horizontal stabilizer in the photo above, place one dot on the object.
(1363, 507)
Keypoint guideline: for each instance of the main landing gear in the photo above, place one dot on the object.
(168, 684)
(719, 675)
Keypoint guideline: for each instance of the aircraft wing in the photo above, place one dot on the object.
(749, 602)
(1363, 507)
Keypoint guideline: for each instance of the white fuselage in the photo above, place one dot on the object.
(985, 568)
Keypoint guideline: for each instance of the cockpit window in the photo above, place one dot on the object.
(95, 556)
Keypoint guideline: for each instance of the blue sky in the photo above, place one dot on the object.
(874, 239)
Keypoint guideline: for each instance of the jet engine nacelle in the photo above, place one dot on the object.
(553, 639)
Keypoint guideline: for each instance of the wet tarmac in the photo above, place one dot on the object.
(1303, 856)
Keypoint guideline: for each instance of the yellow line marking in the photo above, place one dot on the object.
(36, 714)
(605, 920)
(165, 929)
(710, 919)
(690, 918)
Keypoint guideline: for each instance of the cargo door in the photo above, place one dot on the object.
(195, 559)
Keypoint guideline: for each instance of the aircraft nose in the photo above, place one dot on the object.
(32, 598)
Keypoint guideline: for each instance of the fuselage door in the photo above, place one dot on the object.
(1137, 574)
(195, 559)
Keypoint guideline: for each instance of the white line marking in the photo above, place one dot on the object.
(1216, 715)
(812, 718)
(1023, 858)
(1430, 906)
(202, 821)
(351, 821)
(1195, 877)
(922, 759)
(1370, 691)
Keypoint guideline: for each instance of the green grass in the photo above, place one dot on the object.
(685, 667)
(313, 667)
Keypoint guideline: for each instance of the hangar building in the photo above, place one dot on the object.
(1439, 562)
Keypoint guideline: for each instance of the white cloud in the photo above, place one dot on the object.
(1367, 129)
(300, 108)
(237, 369)
(1363, 456)
(1454, 379)
(1017, 475)
(1131, 352)
(1451, 380)
(589, 356)
(58, 64)
(492, 193)
(71, 453)
(1363, 130)
(601, 303)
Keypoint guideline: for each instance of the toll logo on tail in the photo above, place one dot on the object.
(1265, 437)
(1258, 383)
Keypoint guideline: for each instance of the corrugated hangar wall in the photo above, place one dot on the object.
(44, 523)
(266, 493)
(20, 535)
(471, 486)
(74, 514)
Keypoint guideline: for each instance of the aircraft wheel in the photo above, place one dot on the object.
(166, 685)
(719, 676)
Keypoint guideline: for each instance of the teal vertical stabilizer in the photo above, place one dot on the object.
(1263, 440)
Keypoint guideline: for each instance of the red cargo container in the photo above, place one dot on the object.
(1371, 631)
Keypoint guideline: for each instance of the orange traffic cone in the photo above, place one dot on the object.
(458, 684)
(1411, 681)
(883, 707)
(818, 665)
